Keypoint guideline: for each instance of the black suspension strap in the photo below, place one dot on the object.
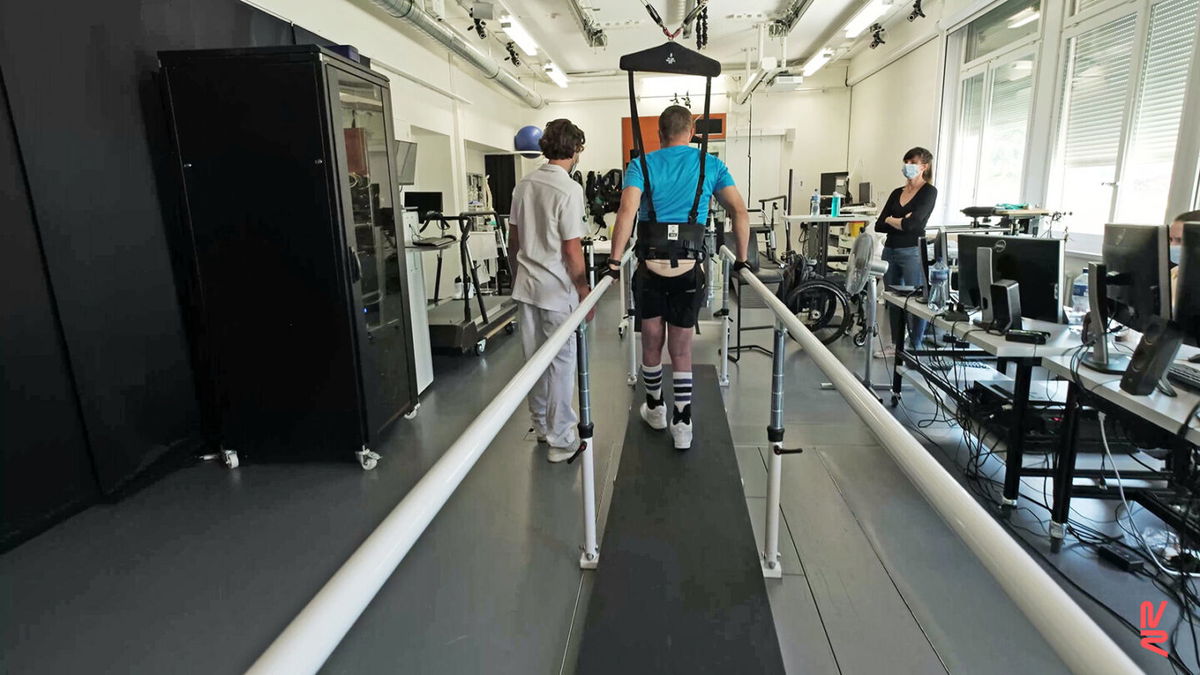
(640, 148)
(693, 215)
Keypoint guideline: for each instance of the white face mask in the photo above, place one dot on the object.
(911, 171)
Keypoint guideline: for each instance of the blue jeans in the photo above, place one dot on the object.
(905, 269)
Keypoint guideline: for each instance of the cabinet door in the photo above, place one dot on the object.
(366, 156)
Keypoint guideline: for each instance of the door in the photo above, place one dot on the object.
(759, 175)
(375, 252)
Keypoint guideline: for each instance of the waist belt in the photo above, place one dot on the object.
(670, 241)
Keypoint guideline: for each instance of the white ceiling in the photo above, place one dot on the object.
(733, 29)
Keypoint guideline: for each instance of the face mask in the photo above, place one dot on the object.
(911, 171)
(1176, 252)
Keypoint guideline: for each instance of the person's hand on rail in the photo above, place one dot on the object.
(614, 269)
(743, 265)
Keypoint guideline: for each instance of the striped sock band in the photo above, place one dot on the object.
(682, 385)
(652, 378)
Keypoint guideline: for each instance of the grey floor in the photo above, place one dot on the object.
(198, 572)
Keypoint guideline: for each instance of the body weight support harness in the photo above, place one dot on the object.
(657, 240)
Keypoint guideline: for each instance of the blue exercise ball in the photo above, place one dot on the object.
(528, 141)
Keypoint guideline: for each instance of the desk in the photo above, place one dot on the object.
(1165, 412)
(1023, 354)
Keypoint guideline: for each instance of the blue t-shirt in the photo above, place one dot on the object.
(673, 175)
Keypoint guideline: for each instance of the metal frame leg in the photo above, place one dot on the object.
(631, 377)
(771, 566)
(590, 556)
(1064, 473)
(1015, 457)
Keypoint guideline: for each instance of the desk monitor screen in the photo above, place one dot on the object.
(1138, 282)
(406, 163)
(1187, 305)
(1034, 263)
(424, 202)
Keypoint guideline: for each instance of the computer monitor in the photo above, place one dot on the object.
(1036, 264)
(1138, 284)
(424, 202)
(835, 181)
(1187, 305)
(406, 163)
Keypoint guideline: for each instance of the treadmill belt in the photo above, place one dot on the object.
(679, 588)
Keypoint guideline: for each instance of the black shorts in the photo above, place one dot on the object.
(675, 299)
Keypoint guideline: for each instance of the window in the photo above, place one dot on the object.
(1007, 24)
(1122, 106)
(1096, 79)
(1146, 171)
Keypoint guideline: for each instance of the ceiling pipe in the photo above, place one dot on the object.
(407, 10)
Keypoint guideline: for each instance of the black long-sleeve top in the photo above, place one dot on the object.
(914, 214)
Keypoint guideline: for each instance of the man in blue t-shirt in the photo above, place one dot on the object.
(669, 293)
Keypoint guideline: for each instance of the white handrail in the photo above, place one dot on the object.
(316, 631)
(1081, 644)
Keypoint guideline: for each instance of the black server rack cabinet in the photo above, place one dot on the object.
(288, 177)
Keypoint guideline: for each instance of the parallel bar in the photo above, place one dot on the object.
(1081, 644)
(726, 323)
(313, 635)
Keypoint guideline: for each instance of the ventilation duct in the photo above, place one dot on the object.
(408, 11)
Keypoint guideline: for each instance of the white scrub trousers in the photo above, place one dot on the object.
(551, 401)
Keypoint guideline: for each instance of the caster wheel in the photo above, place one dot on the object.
(231, 458)
(368, 459)
(860, 339)
(481, 347)
(510, 328)
(412, 414)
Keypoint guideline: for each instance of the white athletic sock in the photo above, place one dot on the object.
(682, 384)
(652, 378)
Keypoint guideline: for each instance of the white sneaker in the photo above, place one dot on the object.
(555, 455)
(681, 427)
(656, 415)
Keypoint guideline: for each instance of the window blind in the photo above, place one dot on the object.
(1158, 111)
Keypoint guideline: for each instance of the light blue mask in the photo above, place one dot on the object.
(1176, 252)
(911, 171)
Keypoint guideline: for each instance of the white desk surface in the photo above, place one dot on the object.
(1164, 411)
(865, 218)
(1061, 339)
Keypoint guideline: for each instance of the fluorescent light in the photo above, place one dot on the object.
(556, 75)
(1027, 15)
(817, 62)
(864, 18)
(517, 33)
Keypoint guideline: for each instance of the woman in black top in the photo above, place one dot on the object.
(903, 218)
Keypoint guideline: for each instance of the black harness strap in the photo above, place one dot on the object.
(640, 148)
(693, 215)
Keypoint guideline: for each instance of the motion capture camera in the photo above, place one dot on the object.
(917, 12)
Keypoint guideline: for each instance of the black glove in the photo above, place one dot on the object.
(742, 265)
(614, 269)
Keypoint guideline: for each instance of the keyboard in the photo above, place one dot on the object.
(1187, 377)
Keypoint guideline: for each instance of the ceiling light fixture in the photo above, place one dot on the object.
(864, 18)
(817, 62)
(556, 75)
(517, 33)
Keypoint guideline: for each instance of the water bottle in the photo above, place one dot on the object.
(939, 286)
(1079, 293)
(835, 205)
(814, 204)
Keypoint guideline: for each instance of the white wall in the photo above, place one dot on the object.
(894, 109)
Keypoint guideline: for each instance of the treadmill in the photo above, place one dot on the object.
(454, 325)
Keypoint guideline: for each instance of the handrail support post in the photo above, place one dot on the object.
(726, 323)
(772, 567)
(627, 272)
(590, 556)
